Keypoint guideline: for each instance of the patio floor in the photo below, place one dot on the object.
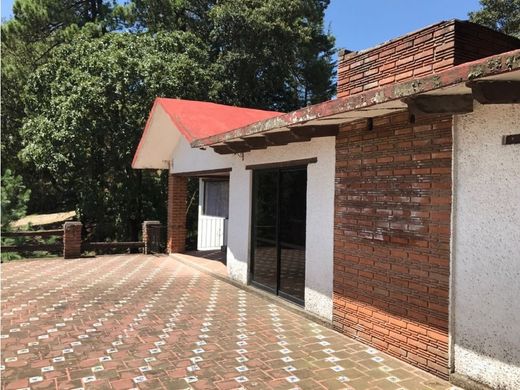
(210, 261)
(151, 322)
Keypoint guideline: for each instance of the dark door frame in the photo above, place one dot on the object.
(278, 169)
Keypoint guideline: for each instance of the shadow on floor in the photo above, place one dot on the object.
(213, 261)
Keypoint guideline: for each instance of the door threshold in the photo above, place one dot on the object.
(287, 304)
(278, 294)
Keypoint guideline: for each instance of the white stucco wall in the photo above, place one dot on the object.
(485, 310)
(320, 209)
(187, 159)
(155, 146)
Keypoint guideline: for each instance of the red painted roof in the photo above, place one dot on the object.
(197, 120)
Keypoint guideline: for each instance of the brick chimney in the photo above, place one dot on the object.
(427, 51)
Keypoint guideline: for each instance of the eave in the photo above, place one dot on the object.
(471, 80)
(172, 121)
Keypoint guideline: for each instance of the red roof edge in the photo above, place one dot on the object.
(177, 121)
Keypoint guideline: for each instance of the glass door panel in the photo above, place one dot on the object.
(293, 199)
(265, 230)
(278, 231)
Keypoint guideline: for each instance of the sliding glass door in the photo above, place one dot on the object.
(278, 231)
(265, 229)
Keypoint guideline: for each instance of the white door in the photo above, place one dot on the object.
(213, 213)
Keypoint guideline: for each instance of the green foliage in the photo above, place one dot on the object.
(79, 78)
(500, 15)
(276, 49)
(88, 105)
(9, 256)
(14, 197)
(269, 54)
(38, 26)
(28, 39)
(168, 15)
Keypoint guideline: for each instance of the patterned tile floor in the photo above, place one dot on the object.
(136, 321)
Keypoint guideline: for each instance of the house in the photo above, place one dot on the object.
(392, 211)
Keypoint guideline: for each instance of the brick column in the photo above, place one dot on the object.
(72, 240)
(177, 193)
(146, 236)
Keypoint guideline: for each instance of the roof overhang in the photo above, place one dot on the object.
(491, 80)
(172, 120)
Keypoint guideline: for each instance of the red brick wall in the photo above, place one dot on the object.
(177, 193)
(72, 240)
(427, 51)
(392, 237)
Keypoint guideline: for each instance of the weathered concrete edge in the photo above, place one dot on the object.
(467, 383)
(460, 74)
(263, 294)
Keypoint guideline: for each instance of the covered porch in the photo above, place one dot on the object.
(270, 210)
(201, 139)
(270, 234)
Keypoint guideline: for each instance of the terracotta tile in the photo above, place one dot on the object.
(151, 322)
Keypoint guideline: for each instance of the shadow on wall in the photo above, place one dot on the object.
(392, 236)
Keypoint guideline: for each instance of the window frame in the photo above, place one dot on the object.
(204, 211)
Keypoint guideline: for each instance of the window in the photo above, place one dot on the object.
(216, 198)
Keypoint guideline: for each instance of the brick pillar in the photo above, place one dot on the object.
(72, 240)
(146, 236)
(177, 194)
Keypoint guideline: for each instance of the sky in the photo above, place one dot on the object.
(360, 24)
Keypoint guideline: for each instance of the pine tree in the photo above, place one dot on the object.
(500, 15)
